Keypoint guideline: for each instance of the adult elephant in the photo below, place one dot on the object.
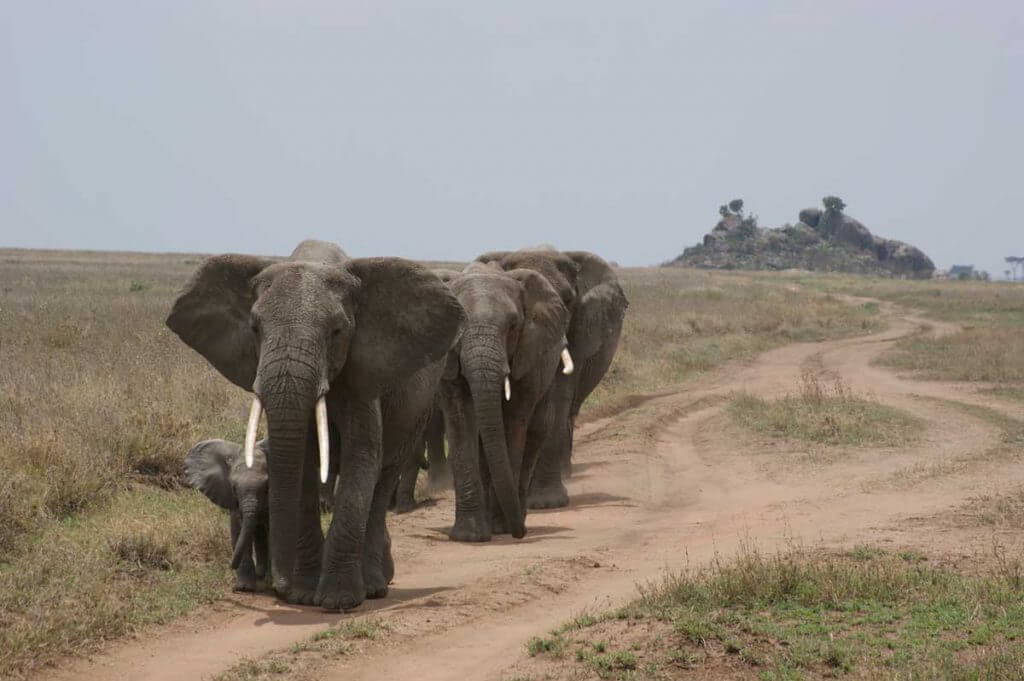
(597, 305)
(496, 376)
(322, 339)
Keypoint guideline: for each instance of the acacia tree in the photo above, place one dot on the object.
(834, 203)
(1016, 262)
(736, 206)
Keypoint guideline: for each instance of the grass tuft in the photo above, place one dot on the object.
(829, 414)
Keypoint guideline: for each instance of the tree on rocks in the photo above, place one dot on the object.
(834, 203)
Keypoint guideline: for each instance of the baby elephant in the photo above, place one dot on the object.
(217, 469)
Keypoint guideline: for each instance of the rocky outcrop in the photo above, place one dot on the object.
(824, 240)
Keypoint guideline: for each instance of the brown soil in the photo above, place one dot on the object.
(664, 483)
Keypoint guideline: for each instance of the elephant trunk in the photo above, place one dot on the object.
(243, 546)
(288, 387)
(485, 369)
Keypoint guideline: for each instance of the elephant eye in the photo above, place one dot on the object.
(254, 324)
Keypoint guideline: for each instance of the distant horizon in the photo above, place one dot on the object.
(437, 133)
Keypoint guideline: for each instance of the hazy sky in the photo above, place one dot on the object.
(440, 130)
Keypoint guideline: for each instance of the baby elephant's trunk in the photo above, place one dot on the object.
(245, 537)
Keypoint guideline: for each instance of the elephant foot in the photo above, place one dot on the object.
(376, 591)
(343, 590)
(249, 584)
(470, 529)
(302, 590)
(548, 497)
(498, 526)
(378, 578)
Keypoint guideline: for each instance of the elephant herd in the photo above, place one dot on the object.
(357, 363)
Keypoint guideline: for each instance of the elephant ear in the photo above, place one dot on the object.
(405, 318)
(600, 305)
(208, 469)
(212, 315)
(544, 322)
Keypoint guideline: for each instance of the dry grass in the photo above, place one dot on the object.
(990, 346)
(94, 391)
(991, 354)
(826, 413)
(143, 557)
(683, 322)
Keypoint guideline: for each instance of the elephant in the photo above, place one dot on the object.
(597, 306)
(435, 463)
(217, 469)
(513, 341)
(326, 343)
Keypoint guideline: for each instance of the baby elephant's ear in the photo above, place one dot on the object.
(208, 469)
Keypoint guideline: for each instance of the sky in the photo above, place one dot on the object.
(441, 130)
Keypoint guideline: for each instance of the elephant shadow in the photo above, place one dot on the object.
(589, 500)
(300, 615)
(534, 533)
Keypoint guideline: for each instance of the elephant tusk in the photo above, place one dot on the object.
(322, 439)
(567, 365)
(250, 431)
(508, 390)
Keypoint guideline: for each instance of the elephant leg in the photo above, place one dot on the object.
(341, 584)
(536, 434)
(245, 573)
(547, 489)
(261, 546)
(471, 520)
(378, 567)
(405, 490)
(439, 475)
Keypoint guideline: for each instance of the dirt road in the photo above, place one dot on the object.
(662, 484)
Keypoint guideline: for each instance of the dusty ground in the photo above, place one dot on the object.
(661, 484)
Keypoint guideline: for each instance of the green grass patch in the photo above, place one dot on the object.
(802, 615)
(828, 414)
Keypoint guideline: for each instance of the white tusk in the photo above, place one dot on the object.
(250, 431)
(567, 364)
(508, 390)
(321, 437)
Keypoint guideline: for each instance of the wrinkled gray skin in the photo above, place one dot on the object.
(515, 327)
(592, 294)
(369, 335)
(438, 472)
(217, 469)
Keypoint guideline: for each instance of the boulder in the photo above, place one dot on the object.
(810, 216)
(852, 232)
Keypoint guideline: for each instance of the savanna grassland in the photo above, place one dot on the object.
(99, 403)
(987, 348)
